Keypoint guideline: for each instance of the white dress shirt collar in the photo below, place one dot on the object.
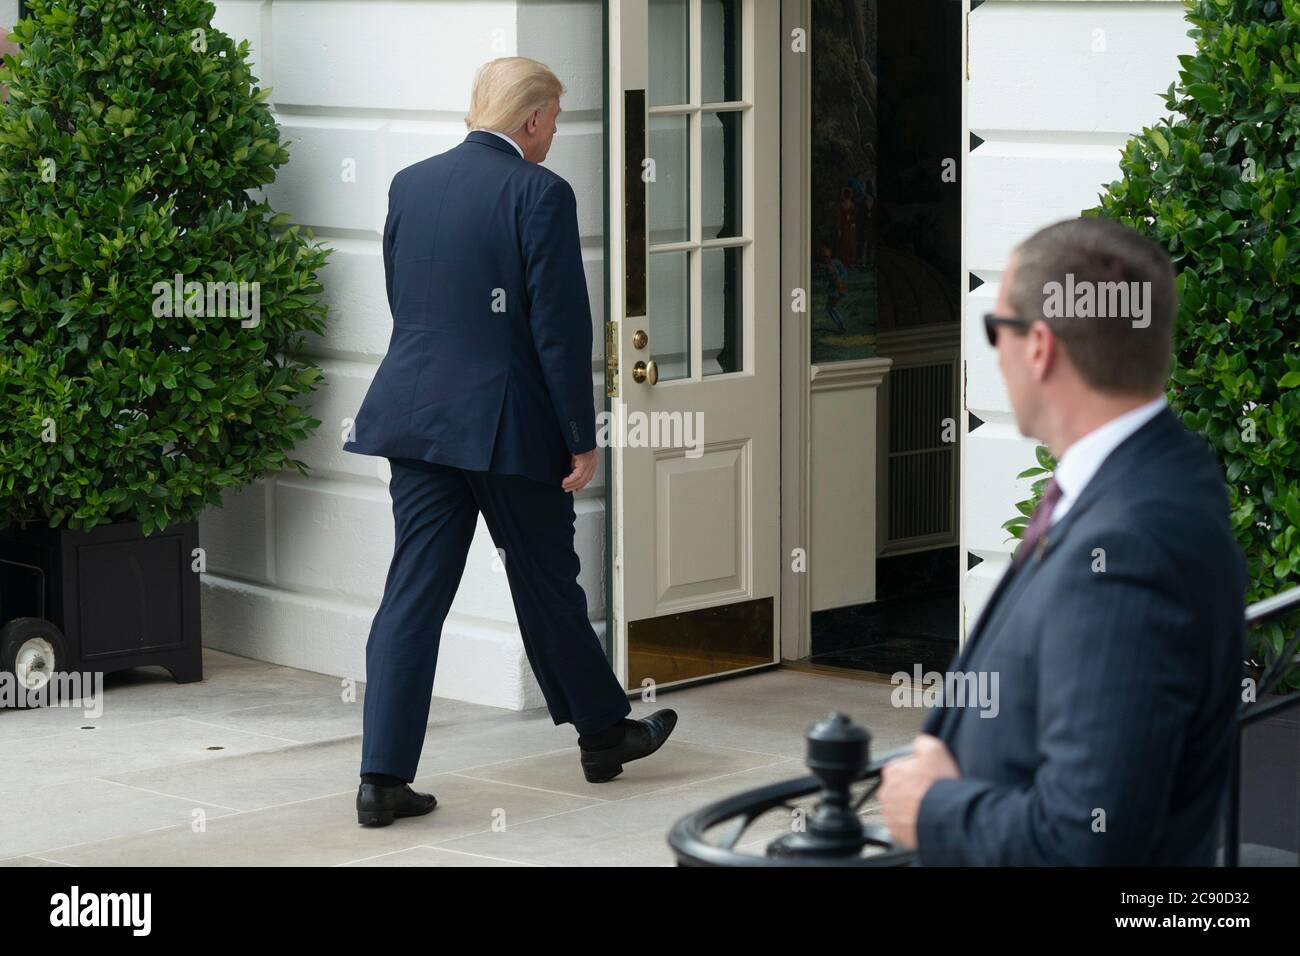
(1081, 460)
(482, 129)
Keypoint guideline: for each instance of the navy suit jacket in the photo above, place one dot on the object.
(489, 363)
(1118, 688)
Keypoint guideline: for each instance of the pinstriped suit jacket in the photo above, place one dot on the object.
(1117, 688)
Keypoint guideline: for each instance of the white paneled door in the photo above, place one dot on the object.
(693, 346)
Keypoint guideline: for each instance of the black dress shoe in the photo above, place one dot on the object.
(378, 806)
(641, 740)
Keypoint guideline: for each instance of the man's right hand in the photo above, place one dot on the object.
(584, 469)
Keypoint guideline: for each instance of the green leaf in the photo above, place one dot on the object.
(1031, 472)
(1292, 508)
(1208, 96)
(1162, 144)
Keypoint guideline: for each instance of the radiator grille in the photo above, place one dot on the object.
(920, 463)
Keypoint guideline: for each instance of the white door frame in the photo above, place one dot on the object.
(796, 273)
(963, 556)
(796, 335)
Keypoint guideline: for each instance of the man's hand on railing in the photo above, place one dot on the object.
(904, 783)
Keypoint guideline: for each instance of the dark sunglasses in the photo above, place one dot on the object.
(991, 323)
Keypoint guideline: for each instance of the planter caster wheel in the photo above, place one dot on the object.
(31, 651)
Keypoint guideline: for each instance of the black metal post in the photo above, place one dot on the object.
(838, 754)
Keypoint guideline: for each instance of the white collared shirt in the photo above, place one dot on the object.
(482, 129)
(1081, 460)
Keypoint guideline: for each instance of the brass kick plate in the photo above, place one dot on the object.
(700, 643)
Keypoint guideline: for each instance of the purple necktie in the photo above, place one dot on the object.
(1039, 522)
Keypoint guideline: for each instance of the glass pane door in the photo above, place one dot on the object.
(698, 237)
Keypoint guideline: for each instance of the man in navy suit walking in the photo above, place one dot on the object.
(483, 403)
(1117, 635)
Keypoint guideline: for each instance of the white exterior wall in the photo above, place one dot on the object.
(1054, 89)
(296, 566)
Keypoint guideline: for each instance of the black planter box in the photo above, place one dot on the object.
(121, 599)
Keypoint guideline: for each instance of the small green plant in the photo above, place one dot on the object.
(152, 307)
(1015, 527)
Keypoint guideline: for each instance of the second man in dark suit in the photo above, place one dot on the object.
(1116, 637)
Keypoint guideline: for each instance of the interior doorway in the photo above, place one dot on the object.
(769, 159)
(883, 108)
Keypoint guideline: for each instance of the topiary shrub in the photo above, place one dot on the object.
(151, 308)
(1218, 184)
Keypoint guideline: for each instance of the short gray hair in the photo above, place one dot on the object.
(1111, 356)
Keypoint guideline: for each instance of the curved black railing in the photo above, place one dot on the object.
(833, 835)
(838, 756)
(1261, 612)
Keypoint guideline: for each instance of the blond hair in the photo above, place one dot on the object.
(506, 92)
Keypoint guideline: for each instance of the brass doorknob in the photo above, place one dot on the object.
(645, 372)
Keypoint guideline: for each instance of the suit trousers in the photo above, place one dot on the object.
(435, 511)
